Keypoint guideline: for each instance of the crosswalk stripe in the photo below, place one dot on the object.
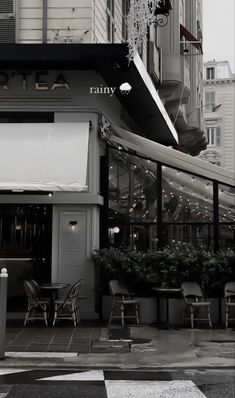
(92, 375)
(152, 389)
(7, 371)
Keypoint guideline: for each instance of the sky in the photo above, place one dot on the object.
(219, 31)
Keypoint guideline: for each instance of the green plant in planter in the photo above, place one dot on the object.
(140, 271)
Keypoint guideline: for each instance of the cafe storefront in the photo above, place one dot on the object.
(76, 175)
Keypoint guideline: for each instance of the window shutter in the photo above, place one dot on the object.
(218, 139)
(7, 21)
(210, 100)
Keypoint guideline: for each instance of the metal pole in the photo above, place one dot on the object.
(3, 308)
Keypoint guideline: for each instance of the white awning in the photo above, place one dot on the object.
(171, 157)
(44, 156)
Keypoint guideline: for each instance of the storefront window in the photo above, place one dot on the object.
(25, 247)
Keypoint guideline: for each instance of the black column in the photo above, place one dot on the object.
(104, 190)
(159, 207)
(216, 215)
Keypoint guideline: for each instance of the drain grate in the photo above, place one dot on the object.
(119, 334)
(110, 346)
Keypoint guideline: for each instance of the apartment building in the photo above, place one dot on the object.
(86, 139)
(219, 85)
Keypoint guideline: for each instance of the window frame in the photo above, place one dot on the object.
(210, 73)
(213, 136)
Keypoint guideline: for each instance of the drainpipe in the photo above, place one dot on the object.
(44, 22)
(3, 308)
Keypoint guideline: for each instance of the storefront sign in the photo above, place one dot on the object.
(40, 81)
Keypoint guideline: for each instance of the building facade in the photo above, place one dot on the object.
(181, 88)
(219, 84)
(85, 164)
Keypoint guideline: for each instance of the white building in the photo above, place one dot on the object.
(219, 115)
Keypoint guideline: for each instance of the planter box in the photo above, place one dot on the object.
(176, 310)
(231, 315)
(147, 309)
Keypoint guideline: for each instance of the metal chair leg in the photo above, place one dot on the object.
(122, 314)
(112, 311)
(209, 316)
(137, 314)
(55, 315)
(192, 317)
(227, 316)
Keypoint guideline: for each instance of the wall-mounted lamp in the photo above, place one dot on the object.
(113, 231)
(116, 230)
(73, 225)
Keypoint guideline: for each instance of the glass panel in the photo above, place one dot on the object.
(186, 198)
(132, 188)
(227, 237)
(226, 204)
(199, 235)
(136, 237)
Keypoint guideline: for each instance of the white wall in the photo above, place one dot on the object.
(224, 118)
(69, 20)
(65, 18)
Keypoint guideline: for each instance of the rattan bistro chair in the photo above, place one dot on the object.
(229, 297)
(122, 299)
(37, 307)
(194, 300)
(69, 307)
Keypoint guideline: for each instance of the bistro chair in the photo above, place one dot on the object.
(37, 307)
(68, 308)
(194, 300)
(122, 298)
(229, 297)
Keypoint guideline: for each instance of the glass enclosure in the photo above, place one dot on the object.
(152, 205)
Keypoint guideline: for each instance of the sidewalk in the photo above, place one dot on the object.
(137, 347)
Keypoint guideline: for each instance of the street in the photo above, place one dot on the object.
(179, 383)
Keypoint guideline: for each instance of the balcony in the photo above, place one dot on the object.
(175, 87)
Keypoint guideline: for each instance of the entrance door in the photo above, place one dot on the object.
(73, 246)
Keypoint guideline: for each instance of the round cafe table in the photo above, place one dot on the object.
(166, 291)
(52, 289)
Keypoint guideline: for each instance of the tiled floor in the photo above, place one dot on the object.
(63, 338)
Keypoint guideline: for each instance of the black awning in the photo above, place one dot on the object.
(111, 62)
